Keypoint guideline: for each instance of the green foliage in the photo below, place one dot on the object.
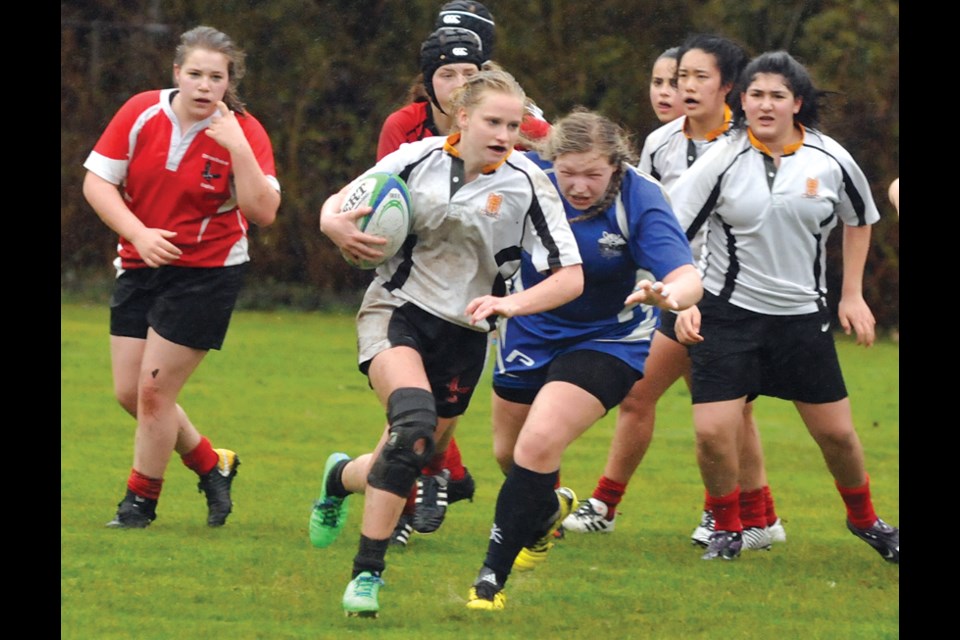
(285, 392)
(323, 75)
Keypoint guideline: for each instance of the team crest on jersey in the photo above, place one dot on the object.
(611, 244)
(211, 171)
(208, 174)
(813, 188)
(494, 202)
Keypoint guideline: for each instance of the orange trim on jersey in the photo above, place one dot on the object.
(454, 138)
(716, 133)
(787, 149)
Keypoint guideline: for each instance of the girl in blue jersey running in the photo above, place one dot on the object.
(559, 371)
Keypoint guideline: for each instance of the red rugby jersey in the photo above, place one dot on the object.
(178, 180)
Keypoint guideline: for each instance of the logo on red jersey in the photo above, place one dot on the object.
(207, 174)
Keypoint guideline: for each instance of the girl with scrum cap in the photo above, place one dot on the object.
(448, 57)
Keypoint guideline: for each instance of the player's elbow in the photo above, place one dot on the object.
(263, 213)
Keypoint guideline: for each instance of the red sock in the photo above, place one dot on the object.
(753, 509)
(144, 486)
(453, 461)
(726, 511)
(859, 505)
(610, 492)
(202, 459)
(772, 516)
(706, 500)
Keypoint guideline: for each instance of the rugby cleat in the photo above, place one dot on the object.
(329, 512)
(486, 594)
(431, 502)
(402, 532)
(777, 532)
(216, 485)
(462, 489)
(884, 538)
(134, 512)
(701, 535)
(590, 517)
(725, 545)
(756, 538)
(361, 597)
(530, 557)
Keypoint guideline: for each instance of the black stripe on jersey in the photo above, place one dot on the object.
(818, 238)
(733, 270)
(510, 254)
(701, 218)
(653, 155)
(540, 222)
(856, 200)
(704, 212)
(400, 276)
(817, 270)
(653, 169)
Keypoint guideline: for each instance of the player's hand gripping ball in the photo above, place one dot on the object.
(391, 217)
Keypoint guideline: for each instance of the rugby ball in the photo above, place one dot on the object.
(391, 217)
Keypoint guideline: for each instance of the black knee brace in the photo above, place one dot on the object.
(412, 416)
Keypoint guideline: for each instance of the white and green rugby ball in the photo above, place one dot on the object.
(391, 218)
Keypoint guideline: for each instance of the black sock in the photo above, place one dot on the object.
(335, 486)
(370, 556)
(525, 502)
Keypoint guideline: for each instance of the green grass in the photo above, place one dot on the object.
(285, 393)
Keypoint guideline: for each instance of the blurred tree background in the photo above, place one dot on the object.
(323, 75)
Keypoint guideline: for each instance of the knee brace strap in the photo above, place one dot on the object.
(412, 416)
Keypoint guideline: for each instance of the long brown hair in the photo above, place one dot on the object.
(210, 39)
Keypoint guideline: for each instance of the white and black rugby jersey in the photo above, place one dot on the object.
(466, 239)
(767, 225)
(669, 151)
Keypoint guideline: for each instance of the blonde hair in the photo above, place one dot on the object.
(582, 131)
(210, 39)
(492, 77)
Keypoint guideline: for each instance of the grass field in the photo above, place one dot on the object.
(285, 393)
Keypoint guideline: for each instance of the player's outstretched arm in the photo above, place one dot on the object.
(563, 285)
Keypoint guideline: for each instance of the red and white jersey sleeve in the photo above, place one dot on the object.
(181, 181)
